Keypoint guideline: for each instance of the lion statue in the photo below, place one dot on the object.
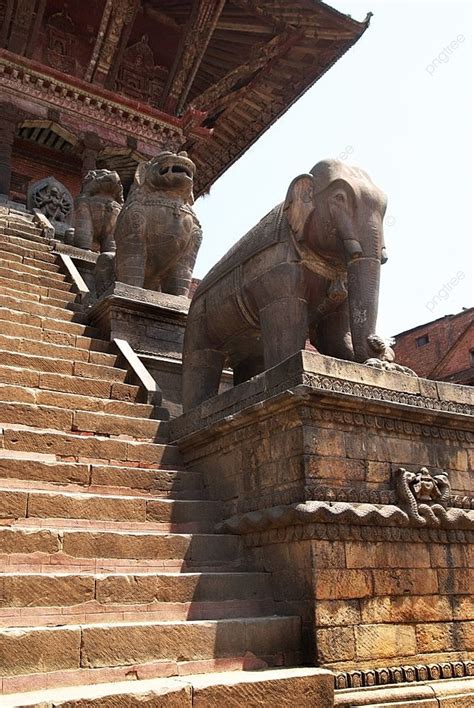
(157, 234)
(96, 210)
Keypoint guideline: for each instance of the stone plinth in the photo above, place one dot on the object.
(153, 323)
(316, 464)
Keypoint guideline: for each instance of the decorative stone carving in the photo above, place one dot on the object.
(60, 38)
(96, 210)
(385, 356)
(52, 199)
(403, 674)
(286, 279)
(138, 75)
(157, 233)
(424, 496)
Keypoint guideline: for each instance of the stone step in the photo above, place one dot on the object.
(103, 591)
(28, 265)
(51, 350)
(32, 504)
(96, 649)
(57, 544)
(72, 401)
(41, 290)
(29, 252)
(14, 272)
(21, 238)
(68, 367)
(303, 687)
(26, 231)
(38, 309)
(92, 447)
(57, 588)
(78, 341)
(28, 468)
(41, 322)
(73, 385)
(68, 420)
(27, 295)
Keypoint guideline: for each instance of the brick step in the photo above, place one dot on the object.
(36, 347)
(41, 322)
(89, 648)
(303, 687)
(28, 265)
(40, 309)
(73, 446)
(71, 385)
(59, 545)
(32, 504)
(67, 420)
(21, 238)
(71, 401)
(107, 592)
(68, 367)
(23, 469)
(27, 252)
(27, 295)
(44, 291)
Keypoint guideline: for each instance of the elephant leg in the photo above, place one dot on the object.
(202, 365)
(333, 336)
(284, 325)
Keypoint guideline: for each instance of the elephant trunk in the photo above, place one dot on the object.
(363, 278)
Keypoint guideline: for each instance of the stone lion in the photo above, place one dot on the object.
(96, 210)
(157, 234)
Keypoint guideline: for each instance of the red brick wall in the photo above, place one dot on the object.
(444, 334)
(32, 162)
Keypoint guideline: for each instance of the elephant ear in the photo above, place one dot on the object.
(140, 174)
(299, 203)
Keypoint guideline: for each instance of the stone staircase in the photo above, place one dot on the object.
(110, 569)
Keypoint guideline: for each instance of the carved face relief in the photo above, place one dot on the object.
(171, 172)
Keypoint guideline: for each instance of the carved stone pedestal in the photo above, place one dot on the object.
(353, 486)
(153, 323)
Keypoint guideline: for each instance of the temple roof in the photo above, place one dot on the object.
(227, 66)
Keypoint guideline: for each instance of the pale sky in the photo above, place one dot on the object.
(400, 107)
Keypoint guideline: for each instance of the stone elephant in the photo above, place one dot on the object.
(309, 268)
(157, 233)
(96, 210)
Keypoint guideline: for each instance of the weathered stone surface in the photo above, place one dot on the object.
(385, 640)
(45, 590)
(30, 650)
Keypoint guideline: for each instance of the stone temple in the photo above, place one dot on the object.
(195, 508)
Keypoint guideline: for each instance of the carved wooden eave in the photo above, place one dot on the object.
(209, 76)
(27, 84)
(304, 39)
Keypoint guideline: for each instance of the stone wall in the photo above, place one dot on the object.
(307, 459)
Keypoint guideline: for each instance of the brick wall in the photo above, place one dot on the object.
(453, 334)
(32, 162)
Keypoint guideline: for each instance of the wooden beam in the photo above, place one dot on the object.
(220, 92)
(114, 31)
(197, 34)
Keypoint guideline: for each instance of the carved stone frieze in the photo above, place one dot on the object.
(424, 496)
(311, 512)
(403, 674)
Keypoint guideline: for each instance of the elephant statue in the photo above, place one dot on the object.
(309, 268)
(96, 210)
(157, 234)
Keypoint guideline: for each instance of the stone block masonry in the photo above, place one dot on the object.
(307, 460)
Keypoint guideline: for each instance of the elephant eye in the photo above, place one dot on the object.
(340, 197)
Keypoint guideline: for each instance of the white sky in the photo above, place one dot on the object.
(410, 129)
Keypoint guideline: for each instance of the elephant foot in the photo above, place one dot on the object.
(389, 366)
